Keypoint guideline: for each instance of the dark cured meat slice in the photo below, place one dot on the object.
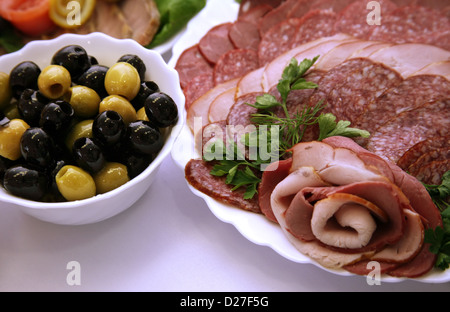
(433, 172)
(277, 40)
(437, 155)
(240, 112)
(235, 63)
(411, 93)
(441, 40)
(353, 19)
(255, 13)
(216, 42)
(245, 35)
(314, 25)
(336, 5)
(248, 5)
(197, 86)
(276, 16)
(301, 8)
(410, 24)
(333, 80)
(360, 268)
(190, 64)
(392, 139)
(421, 148)
(360, 88)
(197, 173)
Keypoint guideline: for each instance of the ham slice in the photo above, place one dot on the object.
(321, 198)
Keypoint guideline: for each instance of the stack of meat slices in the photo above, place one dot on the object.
(393, 85)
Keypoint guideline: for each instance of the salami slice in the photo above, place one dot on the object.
(255, 13)
(277, 40)
(421, 148)
(216, 42)
(197, 86)
(394, 138)
(240, 112)
(235, 63)
(433, 172)
(248, 5)
(198, 175)
(190, 64)
(425, 160)
(360, 88)
(411, 93)
(353, 19)
(276, 16)
(245, 35)
(336, 5)
(314, 25)
(410, 24)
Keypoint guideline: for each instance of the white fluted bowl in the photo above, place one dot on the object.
(107, 51)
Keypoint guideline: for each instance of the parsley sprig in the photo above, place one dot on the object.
(439, 238)
(239, 171)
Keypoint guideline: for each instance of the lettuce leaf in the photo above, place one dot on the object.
(175, 14)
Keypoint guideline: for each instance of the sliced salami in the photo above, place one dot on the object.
(197, 173)
(336, 5)
(240, 112)
(245, 35)
(276, 16)
(433, 172)
(360, 88)
(353, 19)
(314, 25)
(411, 93)
(248, 5)
(190, 64)
(425, 160)
(235, 63)
(277, 40)
(410, 24)
(197, 86)
(216, 42)
(394, 138)
(255, 13)
(424, 147)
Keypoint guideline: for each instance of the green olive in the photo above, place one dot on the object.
(5, 91)
(74, 183)
(82, 129)
(110, 177)
(10, 136)
(141, 115)
(119, 104)
(12, 111)
(84, 100)
(123, 79)
(54, 81)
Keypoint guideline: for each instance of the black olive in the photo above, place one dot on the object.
(143, 137)
(94, 78)
(56, 116)
(146, 88)
(136, 163)
(24, 76)
(5, 163)
(37, 147)
(92, 60)
(88, 155)
(137, 63)
(30, 106)
(108, 128)
(74, 58)
(161, 109)
(25, 182)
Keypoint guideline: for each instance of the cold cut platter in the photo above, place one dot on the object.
(371, 101)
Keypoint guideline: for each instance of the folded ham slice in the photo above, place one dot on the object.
(342, 206)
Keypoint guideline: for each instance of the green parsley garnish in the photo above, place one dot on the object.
(242, 172)
(439, 238)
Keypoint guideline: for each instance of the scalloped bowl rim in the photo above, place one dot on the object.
(131, 45)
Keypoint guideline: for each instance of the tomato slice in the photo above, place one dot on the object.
(29, 16)
(68, 14)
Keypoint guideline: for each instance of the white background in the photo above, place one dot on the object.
(168, 241)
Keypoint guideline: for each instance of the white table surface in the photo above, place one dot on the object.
(169, 241)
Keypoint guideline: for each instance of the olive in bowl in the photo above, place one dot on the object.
(106, 201)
